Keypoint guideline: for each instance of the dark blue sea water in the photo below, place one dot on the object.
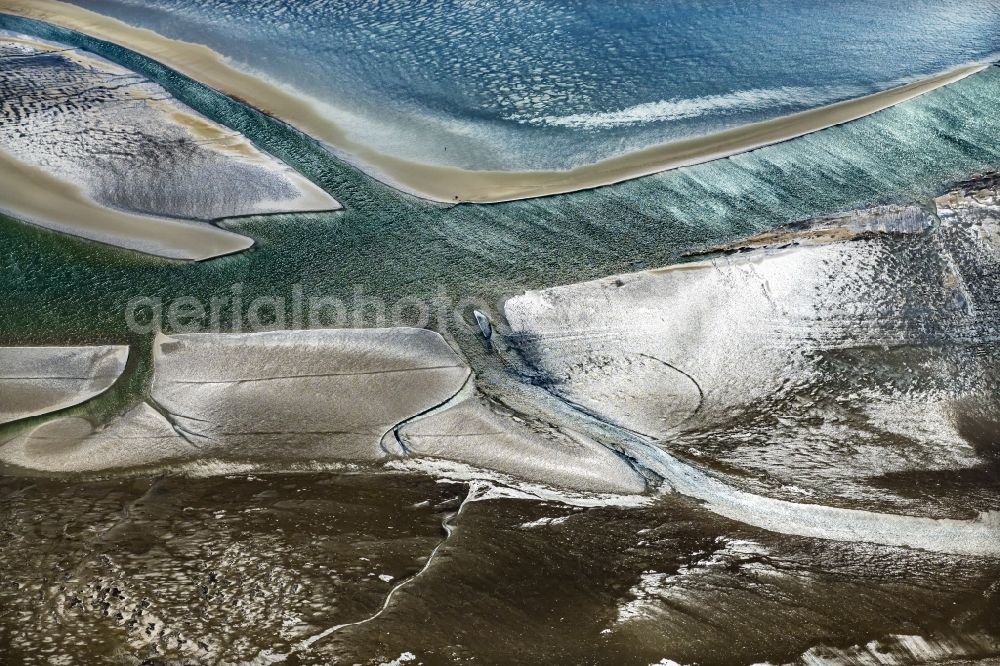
(525, 84)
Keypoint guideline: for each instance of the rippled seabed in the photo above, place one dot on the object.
(124, 569)
(240, 567)
(537, 84)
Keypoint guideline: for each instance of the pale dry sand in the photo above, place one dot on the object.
(30, 193)
(475, 430)
(452, 184)
(39, 380)
(315, 394)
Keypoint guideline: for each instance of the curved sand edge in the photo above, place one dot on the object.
(53, 192)
(44, 380)
(34, 195)
(453, 184)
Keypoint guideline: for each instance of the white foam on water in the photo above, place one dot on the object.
(654, 586)
(495, 485)
(901, 649)
(404, 658)
(679, 109)
(544, 522)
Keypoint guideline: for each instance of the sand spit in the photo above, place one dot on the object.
(38, 380)
(32, 194)
(452, 184)
(94, 149)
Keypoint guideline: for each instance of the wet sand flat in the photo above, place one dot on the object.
(94, 149)
(37, 380)
(194, 571)
(293, 568)
(34, 195)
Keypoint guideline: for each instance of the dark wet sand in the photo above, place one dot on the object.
(191, 570)
(180, 570)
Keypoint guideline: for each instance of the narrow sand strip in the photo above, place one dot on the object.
(32, 194)
(977, 537)
(451, 184)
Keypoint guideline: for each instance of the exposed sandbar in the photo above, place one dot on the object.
(315, 394)
(142, 436)
(29, 193)
(806, 389)
(39, 380)
(478, 431)
(329, 396)
(112, 139)
(451, 184)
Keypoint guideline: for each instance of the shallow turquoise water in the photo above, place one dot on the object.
(390, 245)
(529, 84)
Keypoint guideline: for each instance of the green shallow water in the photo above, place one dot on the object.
(391, 245)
